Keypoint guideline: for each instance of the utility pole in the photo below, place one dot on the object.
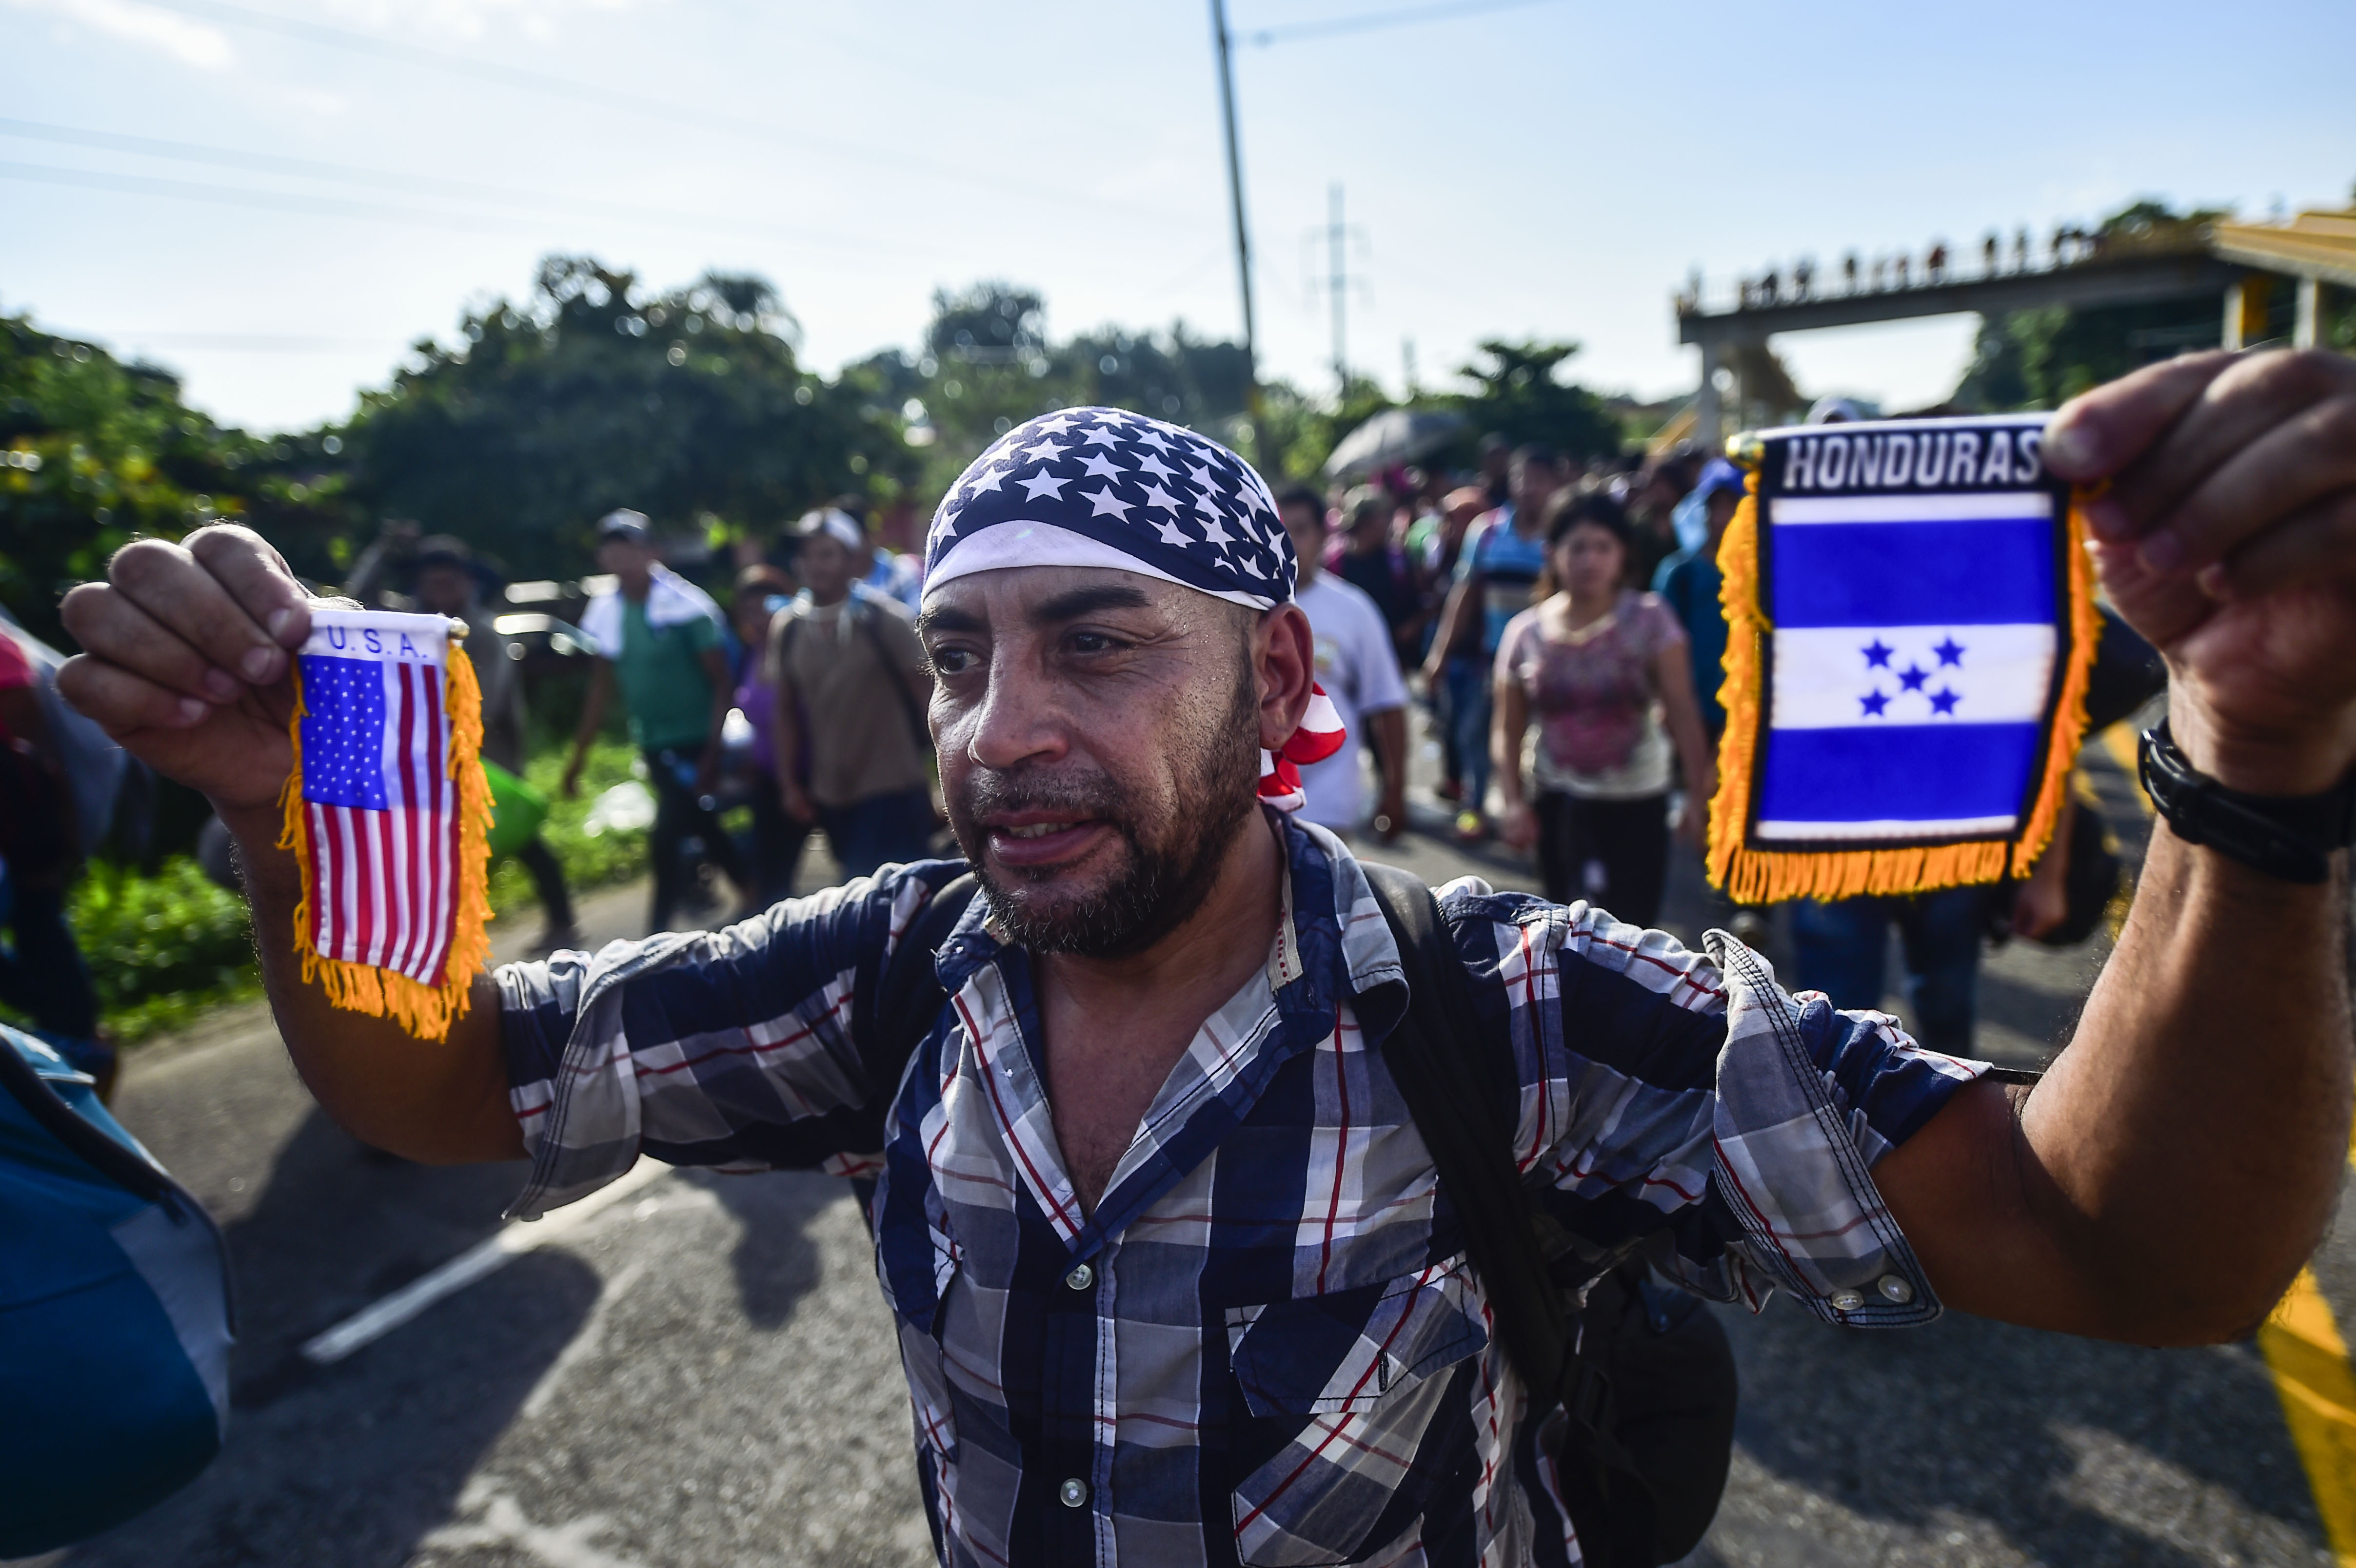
(1337, 284)
(1243, 241)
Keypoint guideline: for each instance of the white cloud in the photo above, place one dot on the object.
(468, 19)
(190, 42)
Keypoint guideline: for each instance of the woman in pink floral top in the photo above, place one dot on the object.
(1603, 670)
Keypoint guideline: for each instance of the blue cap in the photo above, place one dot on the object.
(1720, 475)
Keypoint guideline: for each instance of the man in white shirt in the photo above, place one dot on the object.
(1359, 670)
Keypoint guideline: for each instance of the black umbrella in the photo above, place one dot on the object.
(1390, 438)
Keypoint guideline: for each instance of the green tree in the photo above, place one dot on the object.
(99, 452)
(1521, 397)
(988, 363)
(688, 405)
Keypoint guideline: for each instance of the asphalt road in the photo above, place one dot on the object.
(700, 1373)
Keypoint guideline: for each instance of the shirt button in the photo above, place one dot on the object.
(1081, 1277)
(1075, 1493)
(1896, 1289)
(1847, 1300)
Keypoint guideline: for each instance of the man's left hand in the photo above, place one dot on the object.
(2227, 536)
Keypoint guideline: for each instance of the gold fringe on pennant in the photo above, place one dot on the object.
(424, 1011)
(1770, 876)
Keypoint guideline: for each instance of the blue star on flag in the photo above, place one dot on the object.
(1873, 702)
(1876, 653)
(1950, 652)
(1943, 702)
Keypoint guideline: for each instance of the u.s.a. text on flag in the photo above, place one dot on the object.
(1910, 620)
(388, 815)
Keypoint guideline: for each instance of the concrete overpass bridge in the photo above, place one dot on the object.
(2235, 264)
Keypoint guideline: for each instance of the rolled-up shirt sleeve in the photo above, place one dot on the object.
(1686, 1103)
(731, 1049)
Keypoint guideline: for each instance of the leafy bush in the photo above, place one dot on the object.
(613, 856)
(162, 949)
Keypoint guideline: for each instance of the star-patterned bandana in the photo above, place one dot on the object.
(1103, 487)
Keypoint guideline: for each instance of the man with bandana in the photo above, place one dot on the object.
(1172, 1279)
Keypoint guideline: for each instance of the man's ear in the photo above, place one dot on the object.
(1284, 658)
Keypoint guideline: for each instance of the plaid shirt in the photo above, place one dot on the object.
(1264, 1346)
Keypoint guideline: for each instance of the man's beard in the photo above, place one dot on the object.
(1163, 884)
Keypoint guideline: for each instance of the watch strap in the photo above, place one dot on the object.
(2288, 837)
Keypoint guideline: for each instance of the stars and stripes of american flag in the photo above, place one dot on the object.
(379, 803)
(1103, 487)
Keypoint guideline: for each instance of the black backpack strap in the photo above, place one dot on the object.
(891, 1012)
(1447, 1081)
(1444, 1055)
(871, 622)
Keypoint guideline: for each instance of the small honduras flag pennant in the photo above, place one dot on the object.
(1910, 623)
(388, 816)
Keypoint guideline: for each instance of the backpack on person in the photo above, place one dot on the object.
(116, 1316)
(910, 708)
(1641, 1371)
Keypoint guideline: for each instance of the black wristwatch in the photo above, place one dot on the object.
(2286, 836)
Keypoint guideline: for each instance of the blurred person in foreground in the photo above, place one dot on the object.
(1496, 573)
(1360, 671)
(42, 975)
(658, 637)
(849, 681)
(1148, 1207)
(1601, 668)
(762, 592)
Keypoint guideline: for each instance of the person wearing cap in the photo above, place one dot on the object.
(658, 639)
(850, 683)
(1170, 1273)
(448, 582)
(446, 577)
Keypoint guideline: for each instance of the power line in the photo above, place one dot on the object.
(298, 202)
(603, 97)
(1370, 21)
(240, 195)
(462, 191)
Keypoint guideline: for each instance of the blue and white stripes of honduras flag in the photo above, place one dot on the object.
(1917, 593)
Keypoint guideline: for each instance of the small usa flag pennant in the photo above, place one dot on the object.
(388, 814)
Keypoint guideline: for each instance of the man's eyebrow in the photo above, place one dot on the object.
(1087, 601)
(947, 618)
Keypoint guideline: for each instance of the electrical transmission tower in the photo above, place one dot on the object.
(1337, 237)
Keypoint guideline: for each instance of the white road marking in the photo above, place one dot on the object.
(381, 1318)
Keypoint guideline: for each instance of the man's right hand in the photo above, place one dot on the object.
(185, 662)
(187, 654)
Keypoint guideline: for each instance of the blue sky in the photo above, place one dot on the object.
(1549, 169)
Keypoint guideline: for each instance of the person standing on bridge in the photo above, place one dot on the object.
(1161, 1239)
